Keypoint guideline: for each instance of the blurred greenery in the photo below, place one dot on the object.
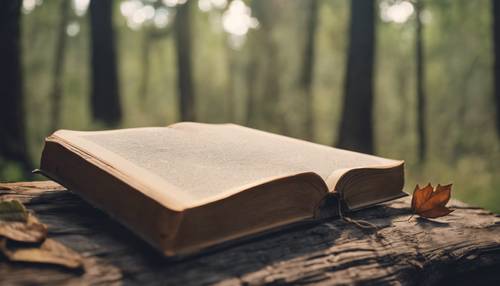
(463, 146)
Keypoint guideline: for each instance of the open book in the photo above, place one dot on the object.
(189, 186)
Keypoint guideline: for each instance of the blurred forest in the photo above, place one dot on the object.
(415, 80)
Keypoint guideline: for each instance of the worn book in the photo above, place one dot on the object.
(192, 186)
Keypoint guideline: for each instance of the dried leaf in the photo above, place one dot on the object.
(49, 252)
(436, 212)
(430, 203)
(13, 211)
(18, 226)
(23, 232)
(16, 223)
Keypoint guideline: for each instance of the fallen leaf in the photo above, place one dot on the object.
(16, 223)
(431, 203)
(23, 239)
(49, 252)
(23, 232)
(13, 210)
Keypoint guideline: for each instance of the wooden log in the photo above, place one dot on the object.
(463, 247)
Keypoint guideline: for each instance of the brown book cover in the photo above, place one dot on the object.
(190, 186)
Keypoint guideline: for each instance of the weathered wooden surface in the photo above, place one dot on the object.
(461, 248)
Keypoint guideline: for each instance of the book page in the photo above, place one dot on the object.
(205, 160)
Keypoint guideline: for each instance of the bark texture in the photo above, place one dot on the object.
(356, 123)
(462, 248)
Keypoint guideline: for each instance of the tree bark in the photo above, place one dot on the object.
(60, 52)
(13, 144)
(420, 81)
(105, 99)
(184, 65)
(496, 53)
(307, 75)
(356, 127)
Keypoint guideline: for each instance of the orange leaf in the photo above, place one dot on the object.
(420, 196)
(431, 203)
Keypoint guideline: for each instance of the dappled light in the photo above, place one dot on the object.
(237, 20)
(209, 5)
(30, 5)
(398, 12)
(138, 14)
(81, 7)
(73, 29)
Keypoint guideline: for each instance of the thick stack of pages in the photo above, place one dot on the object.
(189, 186)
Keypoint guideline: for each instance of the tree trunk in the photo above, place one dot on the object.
(60, 52)
(184, 65)
(12, 122)
(230, 88)
(270, 110)
(356, 127)
(105, 99)
(145, 66)
(420, 81)
(496, 51)
(307, 75)
(273, 114)
(250, 81)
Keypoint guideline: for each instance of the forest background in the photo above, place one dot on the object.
(414, 80)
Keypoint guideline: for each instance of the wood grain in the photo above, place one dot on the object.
(461, 248)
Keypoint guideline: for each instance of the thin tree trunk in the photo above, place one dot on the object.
(13, 144)
(184, 66)
(250, 80)
(308, 67)
(273, 114)
(60, 52)
(105, 99)
(230, 91)
(356, 127)
(271, 111)
(420, 81)
(402, 90)
(462, 84)
(145, 66)
(496, 51)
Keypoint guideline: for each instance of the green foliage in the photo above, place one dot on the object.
(463, 147)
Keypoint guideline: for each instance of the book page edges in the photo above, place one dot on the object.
(133, 175)
(261, 208)
(140, 214)
(336, 176)
(148, 183)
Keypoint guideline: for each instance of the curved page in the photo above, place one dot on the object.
(196, 163)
